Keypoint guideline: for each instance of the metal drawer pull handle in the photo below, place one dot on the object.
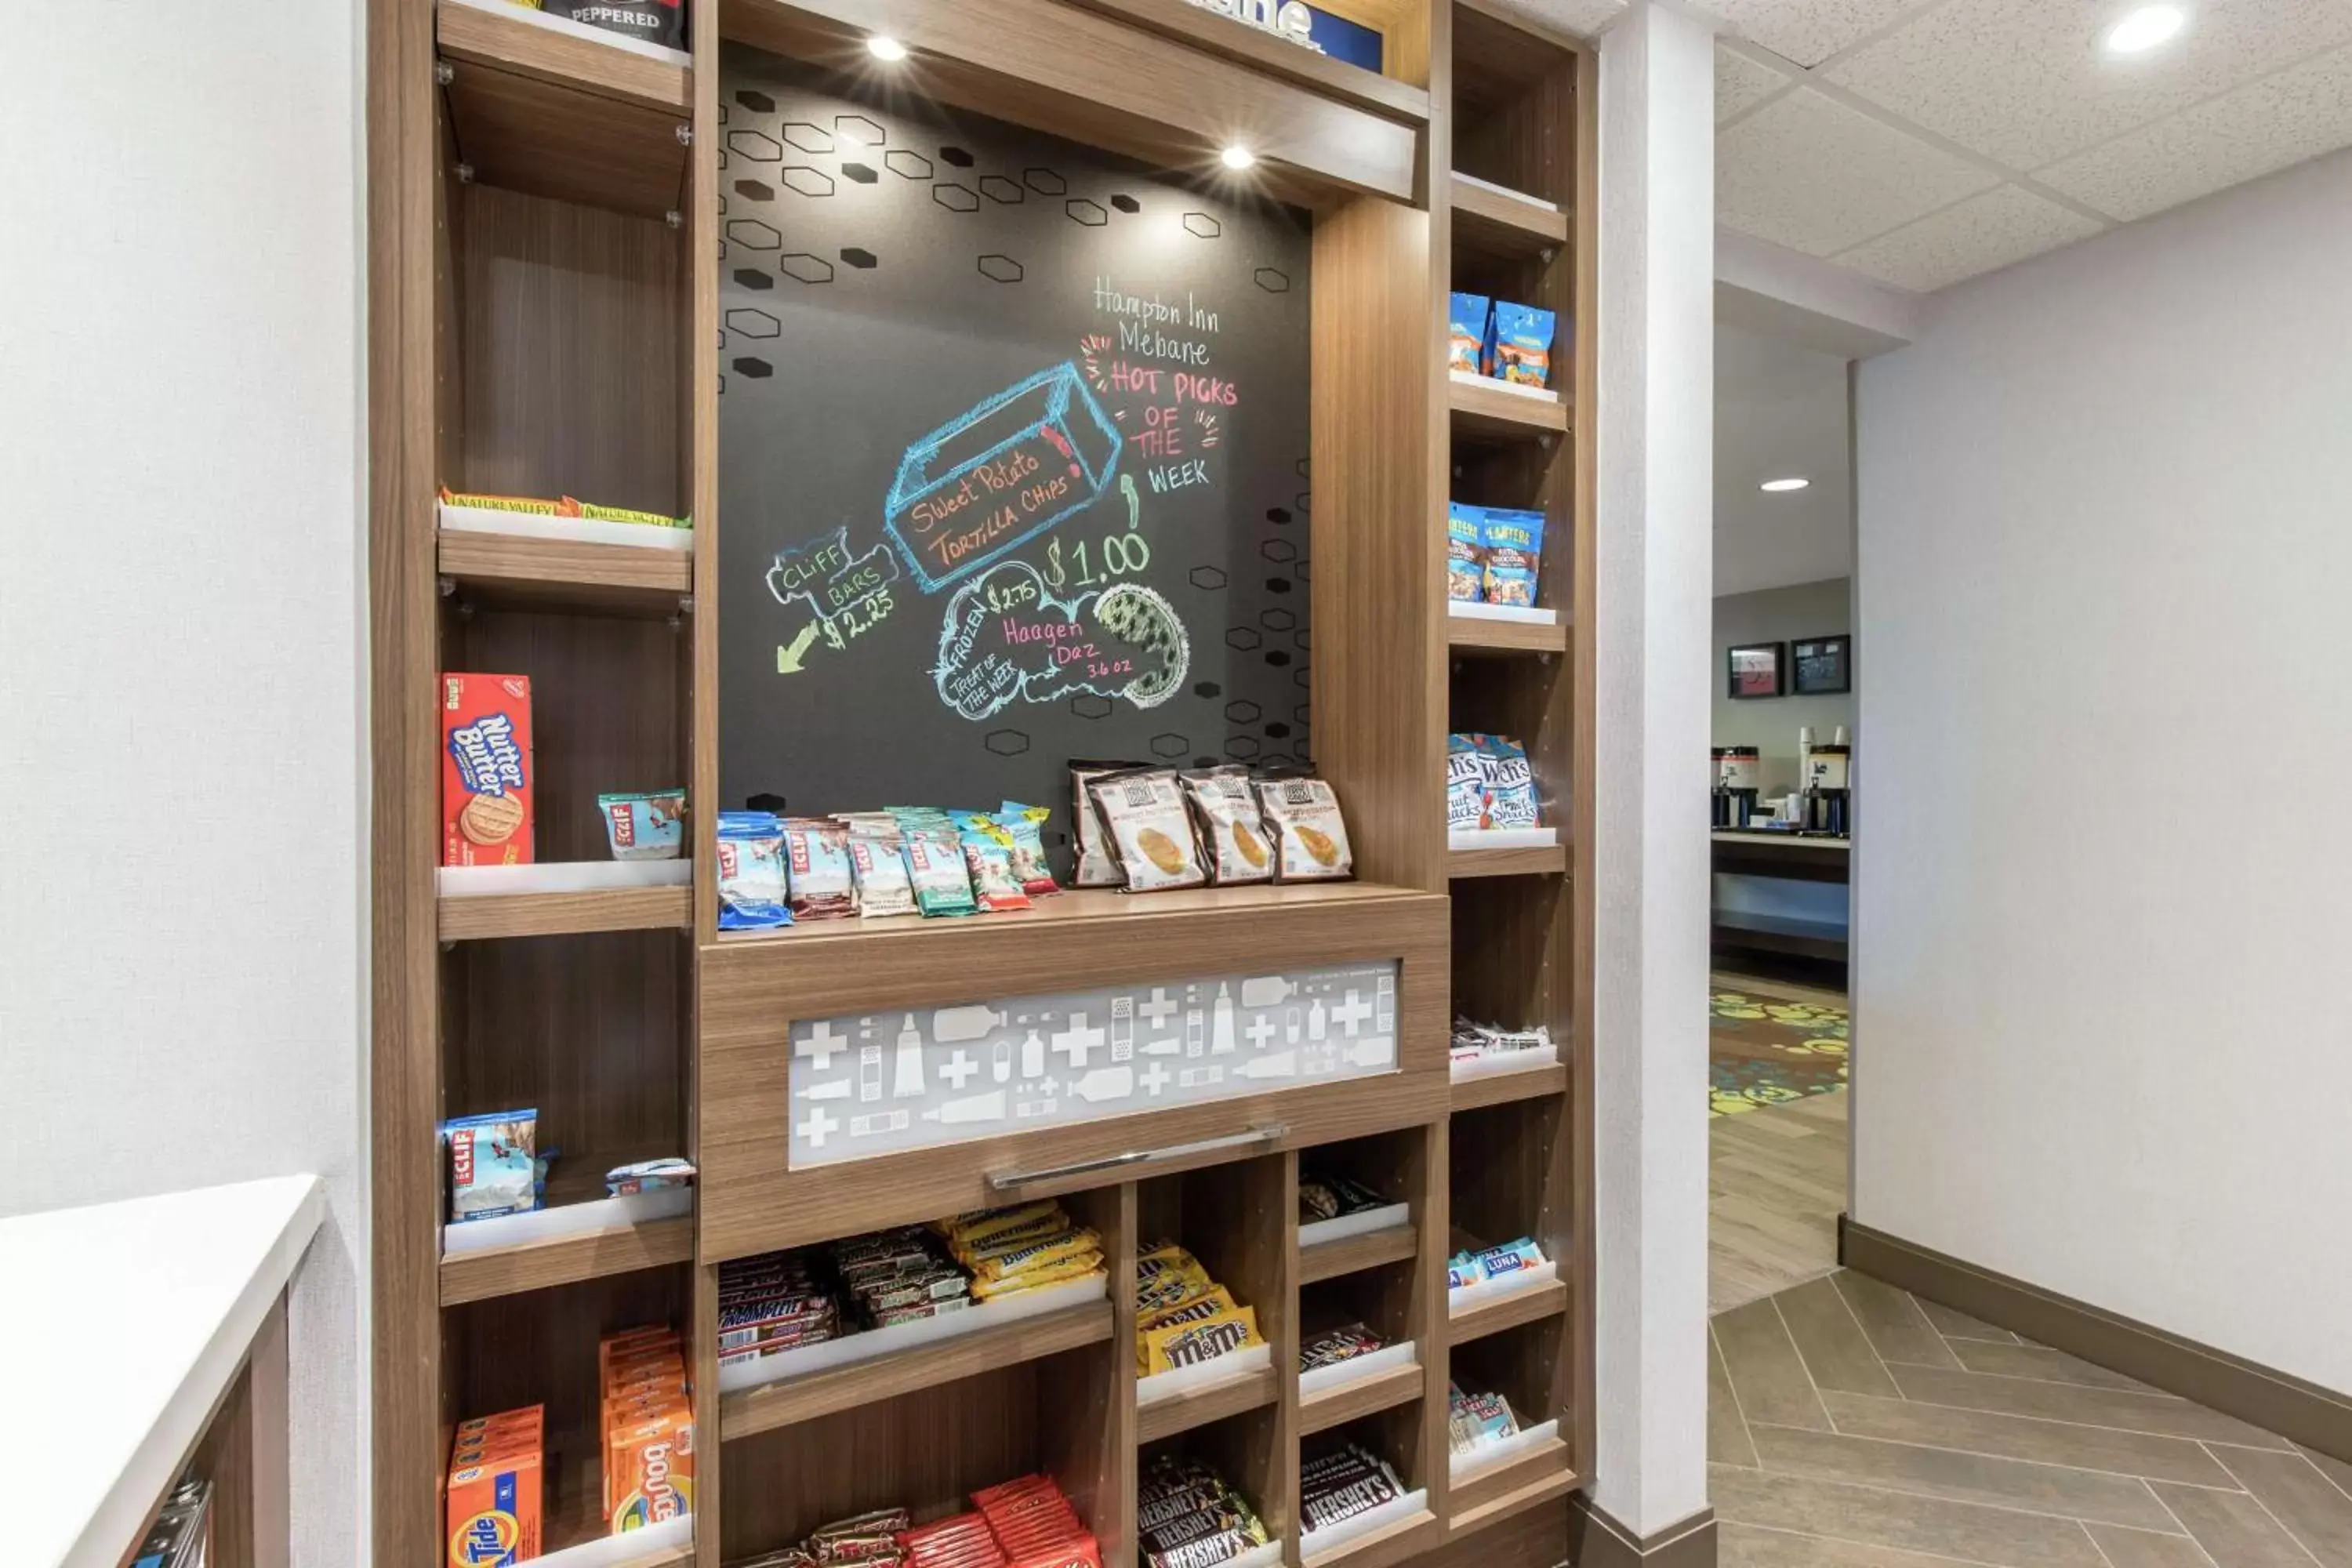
(1006, 1181)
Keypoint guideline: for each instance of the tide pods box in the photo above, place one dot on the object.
(493, 1503)
(486, 770)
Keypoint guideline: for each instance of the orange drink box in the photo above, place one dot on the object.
(486, 769)
(495, 1493)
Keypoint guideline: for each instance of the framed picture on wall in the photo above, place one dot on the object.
(1820, 666)
(1757, 669)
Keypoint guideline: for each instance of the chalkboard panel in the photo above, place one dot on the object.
(1012, 458)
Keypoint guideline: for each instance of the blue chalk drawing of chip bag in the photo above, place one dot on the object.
(943, 491)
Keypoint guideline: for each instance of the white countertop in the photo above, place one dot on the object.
(127, 1322)
(1734, 836)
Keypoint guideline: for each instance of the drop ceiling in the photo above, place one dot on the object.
(1925, 142)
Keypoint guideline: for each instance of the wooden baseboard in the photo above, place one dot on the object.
(2276, 1401)
(1597, 1541)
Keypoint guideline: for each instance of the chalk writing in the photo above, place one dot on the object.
(1006, 637)
(850, 594)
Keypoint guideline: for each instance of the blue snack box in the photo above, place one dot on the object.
(1514, 546)
(1466, 553)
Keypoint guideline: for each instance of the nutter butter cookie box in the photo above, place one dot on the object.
(486, 770)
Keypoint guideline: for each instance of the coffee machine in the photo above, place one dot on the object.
(1736, 772)
(1828, 787)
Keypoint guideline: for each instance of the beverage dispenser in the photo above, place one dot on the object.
(1736, 769)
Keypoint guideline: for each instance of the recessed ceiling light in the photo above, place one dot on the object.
(2145, 28)
(1776, 485)
(1238, 157)
(883, 48)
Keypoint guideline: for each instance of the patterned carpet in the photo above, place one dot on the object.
(1768, 1048)
(1851, 1425)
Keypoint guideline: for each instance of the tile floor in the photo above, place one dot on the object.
(1776, 1185)
(1851, 1425)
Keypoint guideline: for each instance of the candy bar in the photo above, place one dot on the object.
(1189, 1344)
(1336, 1345)
(1215, 1300)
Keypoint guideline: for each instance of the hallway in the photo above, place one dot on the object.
(1851, 1425)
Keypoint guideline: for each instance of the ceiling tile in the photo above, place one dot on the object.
(1740, 84)
(1816, 176)
(1808, 31)
(2024, 81)
(2005, 224)
(2259, 129)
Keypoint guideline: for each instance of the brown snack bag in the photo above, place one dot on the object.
(1234, 838)
(1310, 836)
(1098, 866)
(1144, 817)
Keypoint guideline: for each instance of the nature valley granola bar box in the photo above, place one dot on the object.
(486, 770)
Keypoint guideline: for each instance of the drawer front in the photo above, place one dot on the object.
(847, 1086)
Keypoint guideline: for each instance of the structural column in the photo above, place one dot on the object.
(1652, 610)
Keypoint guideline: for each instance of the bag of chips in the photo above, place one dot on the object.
(1232, 831)
(1509, 781)
(1466, 553)
(1144, 817)
(1513, 543)
(659, 22)
(1465, 344)
(1522, 344)
(1310, 836)
(1465, 784)
(1097, 866)
(754, 891)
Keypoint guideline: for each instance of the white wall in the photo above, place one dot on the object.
(181, 633)
(2107, 530)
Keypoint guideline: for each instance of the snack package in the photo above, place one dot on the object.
(988, 857)
(595, 514)
(877, 864)
(1311, 837)
(1492, 1263)
(1167, 1276)
(1522, 339)
(936, 866)
(486, 770)
(1150, 830)
(530, 505)
(1336, 1345)
(1098, 866)
(1509, 783)
(648, 1176)
(1328, 1197)
(493, 1167)
(1343, 1484)
(817, 855)
(754, 892)
(1189, 1343)
(1467, 318)
(1465, 784)
(661, 22)
(1232, 831)
(650, 826)
(1465, 553)
(1513, 544)
(1475, 1420)
(1023, 827)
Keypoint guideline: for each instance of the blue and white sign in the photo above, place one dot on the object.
(1305, 26)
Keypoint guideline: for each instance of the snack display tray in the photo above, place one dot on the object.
(1503, 1063)
(1468, 610)
(570, 28)
(1516, 388)
(1492, 1456)
(1321, 1379)
(1232, 1364)
(672, 1541)
(565, 1220)
(1363, 1222)
(532, 525)
(1464, 1299)
(561, 877)
(1267, 1556)
(1339, 1533)
(850, 1349)
(1501, 838)
(1474, 180)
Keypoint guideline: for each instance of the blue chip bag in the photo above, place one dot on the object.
(1466, 344)
(754, 892)
(1465, 553)
(1510, 782)
(1513, 543)
(1521, 344)
(1465, 784)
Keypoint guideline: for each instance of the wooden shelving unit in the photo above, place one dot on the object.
(545, 241)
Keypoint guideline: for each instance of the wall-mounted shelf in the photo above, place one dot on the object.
(1212, 1401)
(1475, 1091)
(1354, 1254)
(1361, 1397)
(567, 1259)
(507, 570)
(1491, 221)
(1489, 413)
(492, 915)
(562, 53)
(1495, 1314)
(1534, 861)
(1466, 635)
